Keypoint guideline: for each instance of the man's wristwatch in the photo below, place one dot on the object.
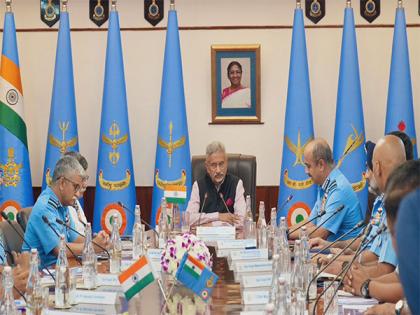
(364, 289)
(399, 306)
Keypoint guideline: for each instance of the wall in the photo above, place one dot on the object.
(143, 55)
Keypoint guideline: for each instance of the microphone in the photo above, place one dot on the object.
(365, 233)
(22, 238)
(285, 202)
(77, 208)
(358, 225)
(327, 219)
(141, 219)
(4, 215)
(224, 203)
(77, 232)
(202, 207)
(45, 219)
(309, 221)
(344, 272)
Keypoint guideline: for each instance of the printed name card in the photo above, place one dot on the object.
(257, 281)
(154, 253)
(96, 297)
(251, 297)
(249, 254)
(216, 233)
(107, 279)
(237, 244)
(253, 266)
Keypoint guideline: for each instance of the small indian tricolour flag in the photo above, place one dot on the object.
(193, 266)
(138, 276)
(175, 194)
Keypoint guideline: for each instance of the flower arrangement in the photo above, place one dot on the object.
(175, 249)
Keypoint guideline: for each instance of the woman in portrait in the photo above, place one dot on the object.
(236, 95)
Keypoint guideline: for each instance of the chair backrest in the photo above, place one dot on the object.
(241, 165)
(12, 242)
(23, 217)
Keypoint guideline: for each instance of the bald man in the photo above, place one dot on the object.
(388, 155)
(334, 191)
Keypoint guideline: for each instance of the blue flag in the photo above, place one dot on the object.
(62, 129)
(298, 131)
(349, 134)
(115, 174)
(196, 276)
(173, 160)
(399, 113)
(16, 191)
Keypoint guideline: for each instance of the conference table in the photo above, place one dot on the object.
(226, 297)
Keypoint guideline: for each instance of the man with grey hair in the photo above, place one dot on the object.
(218, 197)
(334, 191)
(53, 203)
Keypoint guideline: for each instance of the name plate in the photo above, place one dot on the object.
(96, 297)
(253, 266)
(237, 244)
(216, 230)
(54, 312)
(154, 253)
(107, 279)
(248, 254)
(255, 297)
(257, 281)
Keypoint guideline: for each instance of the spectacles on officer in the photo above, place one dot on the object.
(76, 186)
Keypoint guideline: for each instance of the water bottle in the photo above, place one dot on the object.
(272, 232)
(163, 225)
(262, 228)
(7, 306)
(249, 224)
(33, 293)
(272, 298)
(89, 260)
(283, 304)
(138, 234)
(116, 247)
(62, 277)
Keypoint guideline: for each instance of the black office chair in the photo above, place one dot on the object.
(12, 242)
(243, 166)
(23, 217)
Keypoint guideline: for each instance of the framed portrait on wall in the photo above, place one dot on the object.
(236, 84)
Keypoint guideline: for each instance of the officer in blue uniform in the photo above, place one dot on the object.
(334, 191)
(52, 203)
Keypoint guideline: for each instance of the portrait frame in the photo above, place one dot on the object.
(232, 105)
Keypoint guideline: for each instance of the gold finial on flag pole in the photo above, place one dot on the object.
(400, 4)
(348, 4)
(8, 5)
(63, 5)
(114, 5)
(298, 4)
(172, 5)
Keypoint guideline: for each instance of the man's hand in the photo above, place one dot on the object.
(20, 278)
(229, 218)
(318, 243)
(354, 279)
(102, 239)
(381, 309)
(23, 259)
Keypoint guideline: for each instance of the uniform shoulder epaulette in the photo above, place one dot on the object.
(332, 186)
(53, 203)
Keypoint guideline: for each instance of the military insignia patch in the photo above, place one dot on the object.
(11, 209)
(107, 217)
(298, 212)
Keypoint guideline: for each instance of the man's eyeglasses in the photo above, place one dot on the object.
(76, 186)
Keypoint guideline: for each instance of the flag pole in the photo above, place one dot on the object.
(348, 4)
(298, 4)
(8, 5)
(172, 5)
(400, 4)
(114, 5)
